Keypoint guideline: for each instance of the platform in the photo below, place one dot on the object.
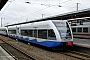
(82, 42)
(4, 55)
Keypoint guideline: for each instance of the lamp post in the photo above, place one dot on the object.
(1, 21)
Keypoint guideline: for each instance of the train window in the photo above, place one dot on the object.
(73, 29)
(25, 32)
(31, 33)
(2, 31)
(85, 29)
(79, 29)
(51, 35)
(42, 34)
(65, 31)
(46, 34)
(12, 31)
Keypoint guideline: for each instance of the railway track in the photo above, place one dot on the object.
(14, 52)
(75, 54)
(43, 54)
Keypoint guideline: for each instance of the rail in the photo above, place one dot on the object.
(18, 50)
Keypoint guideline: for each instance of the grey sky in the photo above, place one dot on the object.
(19, 11)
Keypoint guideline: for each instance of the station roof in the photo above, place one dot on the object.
(2, 3)
(72, 15)
(65, 16)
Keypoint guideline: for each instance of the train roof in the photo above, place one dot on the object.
(32, 22)
(39, 25)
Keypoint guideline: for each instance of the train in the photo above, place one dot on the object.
(48, 33)
(80, 27)
(81, 30)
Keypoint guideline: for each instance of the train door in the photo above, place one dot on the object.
(18, 31)
(35, 33)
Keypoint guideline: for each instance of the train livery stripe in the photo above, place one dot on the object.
(46, 43)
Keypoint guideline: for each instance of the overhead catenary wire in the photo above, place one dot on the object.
(28, 6)
(35, 11)
(44, 8)
(27, 2)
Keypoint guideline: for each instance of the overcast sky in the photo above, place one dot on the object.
(16, 11)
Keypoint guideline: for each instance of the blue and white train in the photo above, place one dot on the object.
(49, 33)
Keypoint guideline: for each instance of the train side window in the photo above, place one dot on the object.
(27, 33)
(79, 29)
(42, 34)
(31, 33)
(12, 31)
(46, 34)
(73, 29)
(2, 31)
(24, 32)
(85, 29)
(51, 35)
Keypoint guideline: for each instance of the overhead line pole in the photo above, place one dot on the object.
(77, 6)
(1, 22)
(42, 15)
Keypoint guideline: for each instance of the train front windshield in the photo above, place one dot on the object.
(63, 28)
(65, 31)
